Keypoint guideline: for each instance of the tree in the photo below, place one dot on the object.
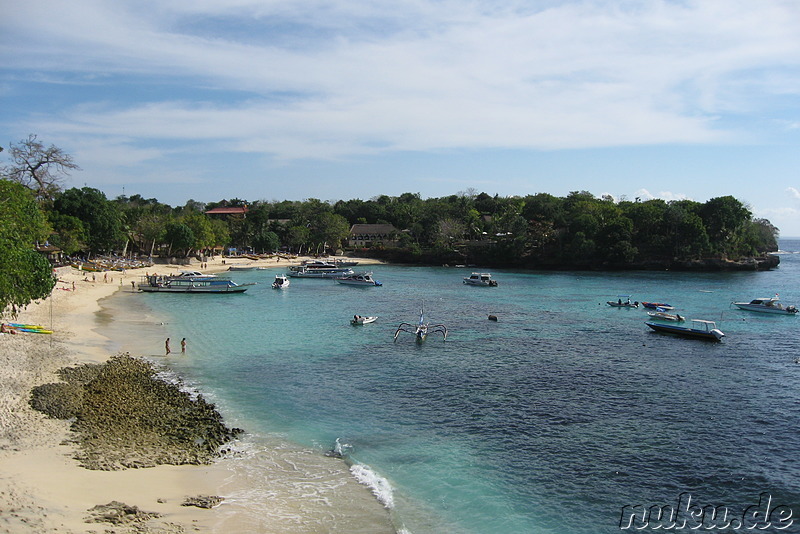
(100, 217)
(38, 168)
(179, 236)
(25, 275)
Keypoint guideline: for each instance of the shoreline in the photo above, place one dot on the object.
(42, 487)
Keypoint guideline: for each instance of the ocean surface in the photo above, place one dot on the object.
(549, 420)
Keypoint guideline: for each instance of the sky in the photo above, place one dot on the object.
(294, 99)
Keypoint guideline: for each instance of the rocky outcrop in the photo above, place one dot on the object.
(124, 416)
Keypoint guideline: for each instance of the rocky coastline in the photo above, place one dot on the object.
(124, 416)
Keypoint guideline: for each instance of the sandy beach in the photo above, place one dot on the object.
(42, 487)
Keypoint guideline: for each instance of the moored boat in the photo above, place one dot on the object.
(662, 314)
(699, 329)
(360, 319)
(654, 305)
(171, 284)
(359, 280)
(480, 279)
(767, 305)
(281, 281)
(304, 271)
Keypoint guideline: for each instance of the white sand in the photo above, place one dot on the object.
(42, 489)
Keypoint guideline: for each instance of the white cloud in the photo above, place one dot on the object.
(351, 78)
(794, 193)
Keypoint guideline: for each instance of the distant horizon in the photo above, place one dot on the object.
(341, 100)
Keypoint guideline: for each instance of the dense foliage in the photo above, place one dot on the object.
(25, 275)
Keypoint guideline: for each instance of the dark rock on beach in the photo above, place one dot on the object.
(124, 416)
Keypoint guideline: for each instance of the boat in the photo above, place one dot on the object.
(623, 301)
(194, 275)
(281, 281)
(360, 319)
(767, 305)
(359, 279)
(480, 279)
(305, 271)
(654, 305)
(170, 284)
(243, 267)
(421, 329)
(699, 329)
(662, 314)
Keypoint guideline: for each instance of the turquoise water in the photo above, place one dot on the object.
(549, 420)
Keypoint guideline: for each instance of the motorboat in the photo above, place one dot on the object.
(361, 319)
(623, 301)
(281, 281)
(699, 329)
(359, 279)
(767, 305)
(662, 314)
(654, 305)
(194, 275)
(305, 271)
(480, 279)
(171, 284)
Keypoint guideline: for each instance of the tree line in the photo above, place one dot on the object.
(579, 230)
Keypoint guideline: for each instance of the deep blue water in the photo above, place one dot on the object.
(549, 420)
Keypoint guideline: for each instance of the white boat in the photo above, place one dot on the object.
(767, 305)
(700, 329)
(360, 319)
(281, 281)
(662, 314)
(623, 301)
(171, 284)
(480, 279)
(194, 275)
(360, 279)
(304, 271)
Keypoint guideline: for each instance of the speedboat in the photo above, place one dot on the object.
(767, 305)
(194, 275)
(281, 281)
(662, 314)
(480, 279)
(305, 271)
(699, 329)
(623, 301)
(654, 305)
(360, 319)
(360, 279)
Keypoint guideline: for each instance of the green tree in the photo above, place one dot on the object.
(100, 217)
(179, 236)
(25, 275)
(68, 233)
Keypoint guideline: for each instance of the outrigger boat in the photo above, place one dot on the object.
(421, 329)
(654, 305)
(662, 314)
(700, 329)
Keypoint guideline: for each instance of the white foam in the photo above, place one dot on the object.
(379, 485)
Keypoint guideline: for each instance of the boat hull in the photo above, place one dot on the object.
(684, 331)
(766, 309)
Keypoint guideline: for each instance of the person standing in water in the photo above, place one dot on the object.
(166, 346)
(183, 346)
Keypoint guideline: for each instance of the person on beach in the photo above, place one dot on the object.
(183, 346)
(7, 329)
(166, 346)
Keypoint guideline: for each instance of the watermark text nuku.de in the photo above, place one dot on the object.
(685, 513)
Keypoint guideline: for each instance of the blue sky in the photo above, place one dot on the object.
(274, 100)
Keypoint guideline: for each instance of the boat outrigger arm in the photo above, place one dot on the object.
(421, 329)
